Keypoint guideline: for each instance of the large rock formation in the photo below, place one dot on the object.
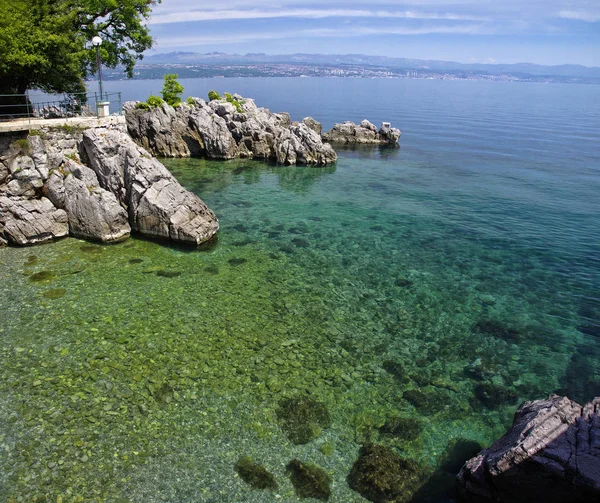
(551, 454)
(218, 130)
(93, 213)
(365, 132)
(157, 204)
(47, 191)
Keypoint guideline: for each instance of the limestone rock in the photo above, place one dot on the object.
(31, 221)
(157, 204)
(313, 124)
(365, 132)
(218, 131)
(94, 213)
(551, 454)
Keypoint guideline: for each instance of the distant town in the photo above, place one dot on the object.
(212, 65)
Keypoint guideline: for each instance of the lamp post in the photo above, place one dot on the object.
(97, 42)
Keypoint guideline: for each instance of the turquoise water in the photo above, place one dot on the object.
(443, 282)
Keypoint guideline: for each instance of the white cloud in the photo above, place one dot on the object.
(234, 38)
(220, 15)
(590, 17)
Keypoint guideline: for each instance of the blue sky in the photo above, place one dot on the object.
(483, 31)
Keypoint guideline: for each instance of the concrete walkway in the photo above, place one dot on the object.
(82, 122)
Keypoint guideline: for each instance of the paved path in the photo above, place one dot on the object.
(83, 122)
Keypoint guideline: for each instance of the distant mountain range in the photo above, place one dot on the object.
(518, 70)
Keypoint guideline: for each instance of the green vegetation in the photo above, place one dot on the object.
(150, 103)
(46, 43)
(255, 475)
(22, 145)
(190, 101)
(172, 90)
(213, 95)
(237, 104)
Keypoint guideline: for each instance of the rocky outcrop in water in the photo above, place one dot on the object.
(93, 213)
(47, 191)
(157, 204)
(217, 130)
(364, 133)
(550, 454)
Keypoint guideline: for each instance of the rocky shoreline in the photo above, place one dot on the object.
(101, 182)
(94, 184)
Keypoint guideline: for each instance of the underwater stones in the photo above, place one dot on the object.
(309, 480)
(237, 261)
(495, 328)
(254, 474)
(382, 476)
(301, 242)
(551, 454)
(168, 274)
(427, 402)
(396, 369)
(403, 283)
(494, 395)
(134, 261)
(38, 277)
(302, 418)
(327, 448)
(212, 269)
(404, 428)
(54, 293)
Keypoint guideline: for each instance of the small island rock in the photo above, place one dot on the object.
(363, 133)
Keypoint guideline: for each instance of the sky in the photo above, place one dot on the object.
(548, 32)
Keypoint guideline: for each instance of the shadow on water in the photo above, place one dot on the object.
(210, 245)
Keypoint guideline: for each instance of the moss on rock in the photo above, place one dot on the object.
(303, 418)
(254, 474)
(310, 481)
(381, 476)
(404, 428)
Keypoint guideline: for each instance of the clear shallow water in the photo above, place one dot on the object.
(445, 281)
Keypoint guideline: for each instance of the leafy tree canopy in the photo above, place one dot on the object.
(45, 44)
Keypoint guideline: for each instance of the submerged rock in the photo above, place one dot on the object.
(158, 205)
(382, 476)
(310, 481)
(254, 474)
(365, 132)
(218, 130)
(303, 418)
(551, 454)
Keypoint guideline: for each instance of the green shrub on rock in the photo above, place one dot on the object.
(172, 90)
(213, 95)
(150, 103)
(255, 475)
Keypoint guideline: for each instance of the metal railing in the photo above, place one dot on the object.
(28, 106)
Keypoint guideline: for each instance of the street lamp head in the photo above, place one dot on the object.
(96, 41)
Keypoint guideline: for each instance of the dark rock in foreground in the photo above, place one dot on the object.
(310, 481)
(303, 418)
(381, 476)
(217, 130)
(254, 474)
(365, 132)
(551, 454)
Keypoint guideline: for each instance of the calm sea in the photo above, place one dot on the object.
(419, 293)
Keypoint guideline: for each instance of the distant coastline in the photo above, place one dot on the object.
(219, 65)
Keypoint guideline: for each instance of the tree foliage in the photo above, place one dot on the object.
(45, 44)
(172, 90)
